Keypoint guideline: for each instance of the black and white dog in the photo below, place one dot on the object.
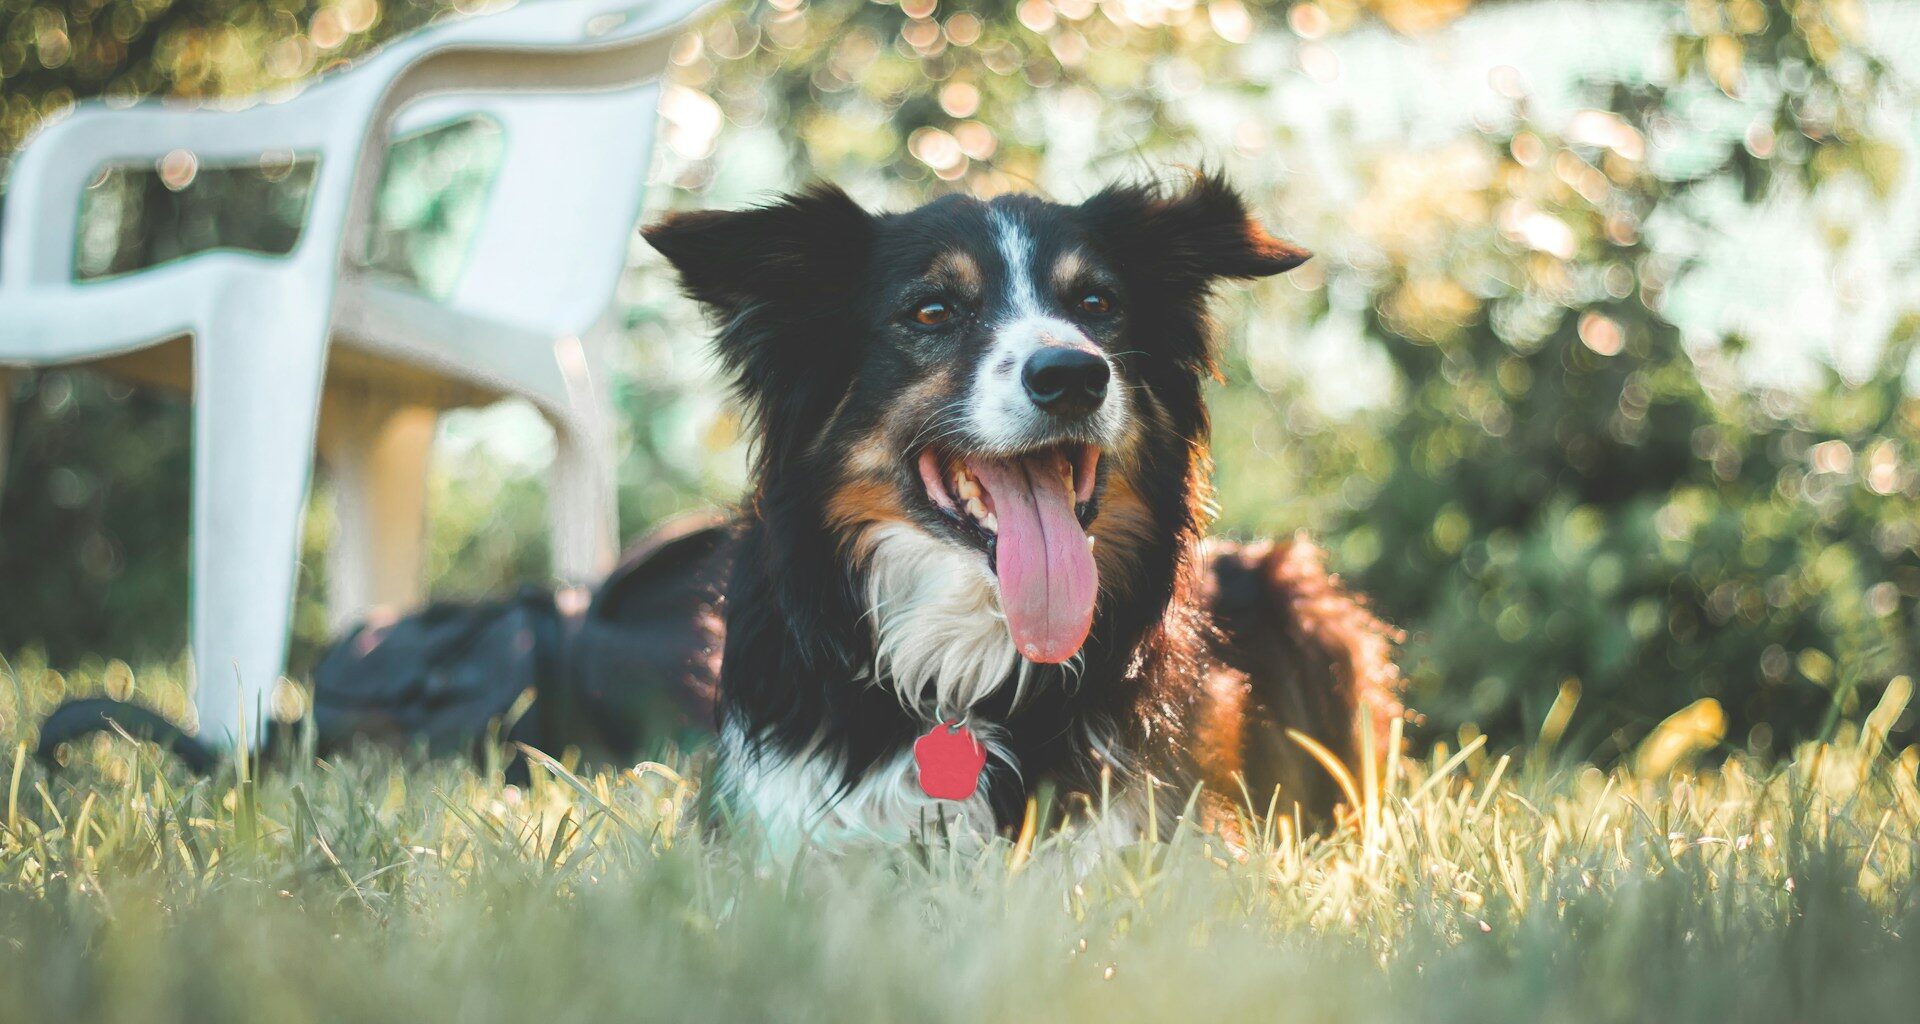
(971, 563)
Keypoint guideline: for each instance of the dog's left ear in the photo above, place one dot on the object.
(796, 251)
(1189, 238)
(776, 278)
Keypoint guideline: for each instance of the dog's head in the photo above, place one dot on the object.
(1016, 378)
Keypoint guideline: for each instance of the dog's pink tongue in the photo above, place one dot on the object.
(1047, 579)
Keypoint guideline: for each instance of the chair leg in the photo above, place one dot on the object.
(581, 507)
(376, 457)
(581, 512)
(6, 424)
(257, 376)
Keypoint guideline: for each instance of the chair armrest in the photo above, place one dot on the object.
(557, 46)
(51, 174)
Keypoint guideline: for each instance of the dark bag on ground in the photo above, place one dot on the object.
(640, 669)
(439, 680)
(632, 672)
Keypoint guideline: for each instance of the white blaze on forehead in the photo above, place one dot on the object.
(1016, 251)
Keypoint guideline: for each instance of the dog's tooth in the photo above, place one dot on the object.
(991, 522)
(975, 509)
(1089, 542)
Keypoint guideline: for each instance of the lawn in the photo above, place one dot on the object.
(1690, 885)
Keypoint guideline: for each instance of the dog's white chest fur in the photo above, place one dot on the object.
(940, 639)
(941, 643)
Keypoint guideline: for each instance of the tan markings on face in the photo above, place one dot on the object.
(1068, 269)
(957, 269)
(880, 452)
(871, 456)
(857, 506)
(921, 399)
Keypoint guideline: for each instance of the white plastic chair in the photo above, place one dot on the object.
(281, 352)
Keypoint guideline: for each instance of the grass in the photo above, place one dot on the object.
(1471, 888)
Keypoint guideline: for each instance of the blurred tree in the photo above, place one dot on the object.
(1557, 495)
(93, 536)
(1565, 499)
(1563, 488)
(93, 541)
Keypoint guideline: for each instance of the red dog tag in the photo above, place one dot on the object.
(950, 761)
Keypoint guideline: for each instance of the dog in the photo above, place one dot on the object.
(971, 568)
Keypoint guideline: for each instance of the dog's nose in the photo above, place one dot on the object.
(1065, 381)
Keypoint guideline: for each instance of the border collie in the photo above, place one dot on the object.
(971, 565)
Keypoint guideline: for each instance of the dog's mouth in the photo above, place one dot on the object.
(1029, 512)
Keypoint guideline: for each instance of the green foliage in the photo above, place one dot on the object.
(1566, 498)
(54, 53)
(1563, 486)
(94, 547)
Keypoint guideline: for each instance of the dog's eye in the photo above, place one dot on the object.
(932, 314)
(1096, 303)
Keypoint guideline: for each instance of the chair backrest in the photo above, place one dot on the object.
(573, 84)
(541, 47)
(559, 209)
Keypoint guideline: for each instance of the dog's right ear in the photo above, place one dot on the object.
(796, 252)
